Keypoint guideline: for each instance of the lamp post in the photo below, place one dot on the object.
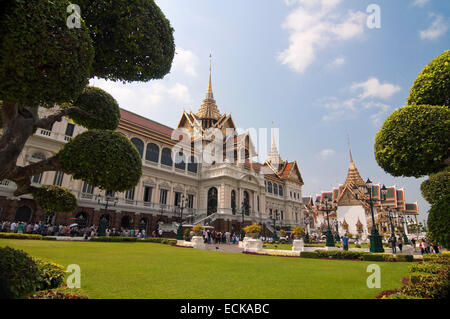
(402, 220)
(376, 245)
(394, 240)
(180, 235)
(244, 208)
(306, 222)
(336, 224)
(327, 206)
(275, 216)
(108, 199)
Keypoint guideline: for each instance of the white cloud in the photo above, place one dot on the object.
(420, 3)
(312, 26)
(372, 92)
(157, 100)
(326, 153)
(185, 61)
(438, 27)
(372, 88)
(337, 62)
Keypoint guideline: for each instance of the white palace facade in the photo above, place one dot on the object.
(214, 194)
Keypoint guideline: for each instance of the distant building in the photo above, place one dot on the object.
(354, 214)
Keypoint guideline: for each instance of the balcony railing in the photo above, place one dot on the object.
(53, 135)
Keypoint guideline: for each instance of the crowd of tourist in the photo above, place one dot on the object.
(40, 228)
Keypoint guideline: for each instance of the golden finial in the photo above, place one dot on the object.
(209, 92)
(352, 164)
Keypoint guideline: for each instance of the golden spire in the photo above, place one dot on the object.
(352, 164)
(209, 92)
(208, 109)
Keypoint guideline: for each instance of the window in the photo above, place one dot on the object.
(166, 157)
(257, 199)
(270, 213)
(163, 196)
(69, 129)
(37, 178)
(139, 145)
(280, 190)
(190, 201)
(275, 188)
(129, 194)
(88, 189)
(148, 194)
(192, 165)
(180, 161)
(109, 194)
(152, 153)
(269, 187)
(233, 201)
(177, 199)
(281, 214)
(59, 176)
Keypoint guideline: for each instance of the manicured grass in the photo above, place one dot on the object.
(148, 270)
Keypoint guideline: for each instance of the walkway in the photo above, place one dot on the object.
(227, 248)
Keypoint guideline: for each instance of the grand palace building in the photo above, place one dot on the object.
(221, 193)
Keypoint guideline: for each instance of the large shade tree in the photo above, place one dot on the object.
(415, 140)
(45, 63)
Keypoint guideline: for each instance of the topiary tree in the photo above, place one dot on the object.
(436, 186)
(45, 63)
(414, 141)
(439, 222)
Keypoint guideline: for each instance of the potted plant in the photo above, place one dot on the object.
(187, 233)
(298, 232)
(197, 229)
(253, 230)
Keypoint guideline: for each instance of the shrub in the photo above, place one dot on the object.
(55, 198)
(18, 273)
(414, 141)
(437, 258)
(408, 258)
(429, 286)
(373, 257)
(167, 241)
(113, 239)
(60, 293)
(400, 296)
(20, 236)
(439, 222)
(339, 254)
(298, 231)
(309, 254)
(197, 229)
(253, 229)
(437, 186)
(51, 275)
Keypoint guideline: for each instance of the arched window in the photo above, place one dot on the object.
(82, 219)
(192, 165)
(246, 203)
(139, 145)
(152, 153)
(233, 202)
(180, 161)
(143, 224)
(23, 214)
(269, 187)
(166, 157)
(125, 222)
(212, 201)
(275, 188)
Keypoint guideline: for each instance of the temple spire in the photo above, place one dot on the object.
(209, 111)
(209, 92)
(274, 156)
(352, 164)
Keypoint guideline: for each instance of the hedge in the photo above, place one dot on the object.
(339, 254)
(20, 236)
(51, 275)
(408, 258)
(309, 254)
(113, 239)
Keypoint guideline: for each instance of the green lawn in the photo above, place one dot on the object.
(147, 270)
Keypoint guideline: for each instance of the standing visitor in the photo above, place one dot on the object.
(413, 242)
(345, 242)
(400, 244)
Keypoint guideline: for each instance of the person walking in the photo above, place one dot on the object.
(400, 244)
(413, 242)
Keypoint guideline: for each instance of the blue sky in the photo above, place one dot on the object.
(311, 66)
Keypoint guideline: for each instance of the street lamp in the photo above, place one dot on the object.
(402, 220)
(394, 240)
(244, 208)
(336, 224)
(376, 245)
(275, 216)
(327, 206)
(180, 234)
(102, 222)
(306, 222)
